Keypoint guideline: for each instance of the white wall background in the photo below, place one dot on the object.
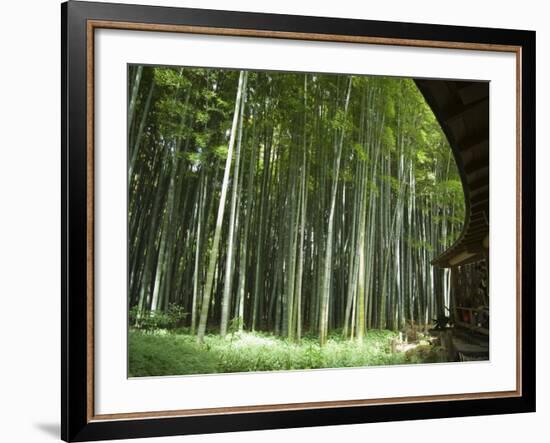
(30, 221)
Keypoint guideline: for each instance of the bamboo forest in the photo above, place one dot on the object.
(281, 221)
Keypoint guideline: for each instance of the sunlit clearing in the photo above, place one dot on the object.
(249, 339)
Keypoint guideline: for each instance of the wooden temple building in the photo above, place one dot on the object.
(462, 109)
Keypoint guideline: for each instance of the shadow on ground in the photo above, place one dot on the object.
(51, 429)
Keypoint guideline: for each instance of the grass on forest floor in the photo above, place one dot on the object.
(163, 353)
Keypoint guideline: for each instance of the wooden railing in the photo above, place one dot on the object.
(472, 318)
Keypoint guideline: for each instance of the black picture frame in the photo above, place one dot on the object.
(76, 422)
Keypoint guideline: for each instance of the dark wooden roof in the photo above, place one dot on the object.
(462, 109)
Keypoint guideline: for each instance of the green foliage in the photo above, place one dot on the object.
(388, 138)
(201, 117)
(157, 355)
(157, 320)
(421, 156)
(176, 314)
(235, 325)
(425, 354)
(360, 151)
(194, 158)
(201, 139)
(221, 152)
(169, 77)
(449, 190)
(390, 108)
(419, 244)
(340, 121)
(178, 354)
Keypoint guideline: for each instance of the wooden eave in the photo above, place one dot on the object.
(462, 110)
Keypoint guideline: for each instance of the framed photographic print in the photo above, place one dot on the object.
(277, 221)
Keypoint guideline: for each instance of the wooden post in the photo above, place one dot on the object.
(454, 290)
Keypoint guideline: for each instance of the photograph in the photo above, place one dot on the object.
(282, 221)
